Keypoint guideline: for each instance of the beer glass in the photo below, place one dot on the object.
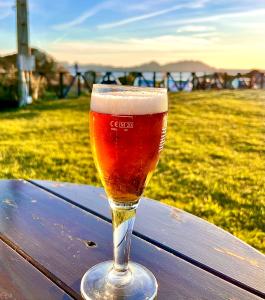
(127, 129)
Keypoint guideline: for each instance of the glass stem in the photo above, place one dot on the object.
(122, 221)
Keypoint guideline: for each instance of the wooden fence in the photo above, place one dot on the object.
(64, 83)
(195, 81)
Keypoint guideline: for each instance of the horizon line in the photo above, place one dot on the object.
(82, 64)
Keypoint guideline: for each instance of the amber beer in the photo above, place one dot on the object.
(127, 130)
(126, 149)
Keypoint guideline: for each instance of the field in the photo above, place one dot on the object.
(213, 164)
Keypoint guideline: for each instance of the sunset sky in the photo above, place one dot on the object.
(222, 33)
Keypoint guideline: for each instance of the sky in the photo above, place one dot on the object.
(221, 33)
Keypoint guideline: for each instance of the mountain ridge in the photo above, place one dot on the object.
(153, 66)
(45, 62)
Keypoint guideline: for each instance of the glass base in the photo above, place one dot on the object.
(102, 282)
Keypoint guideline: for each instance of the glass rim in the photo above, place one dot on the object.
(118, 87)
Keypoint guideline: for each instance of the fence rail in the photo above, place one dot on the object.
(174, 81)
(62, 84)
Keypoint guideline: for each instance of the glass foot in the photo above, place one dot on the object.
(102, 282)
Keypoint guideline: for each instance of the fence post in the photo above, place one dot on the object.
(154, 79)
(69, 87)
(225, 80)
(180, 82)
(251, 81)
(125, 78)
(215, 81)
(94, 76)
(61, 87)
(168, 74)
(193, 75)
(239, 82)
(262, 81)
(78, 74)
(204, 81)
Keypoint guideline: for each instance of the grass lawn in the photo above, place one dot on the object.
(213, 164)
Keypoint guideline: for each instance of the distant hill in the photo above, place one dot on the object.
(180, 66)
(153, 66)
(47, 64)
(188, 66)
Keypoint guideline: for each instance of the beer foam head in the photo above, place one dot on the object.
(128, 100)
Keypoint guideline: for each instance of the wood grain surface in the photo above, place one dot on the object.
(54, 235)
(21, 281)
(189, 237)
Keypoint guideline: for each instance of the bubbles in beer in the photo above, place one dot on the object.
(128, 130)
(126, 159)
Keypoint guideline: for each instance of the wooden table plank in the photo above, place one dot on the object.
(181, 233)
(53, 233)
(20, 280)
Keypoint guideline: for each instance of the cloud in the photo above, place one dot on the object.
(83, 17)
(164, 43)
(5, 14)
(254, 13)
(238, 52)
(192, 5)
(5, 9)
(195, 28)
(227, 53)
(145, 5)
(60, 38)
(6, 4)
(142, 6)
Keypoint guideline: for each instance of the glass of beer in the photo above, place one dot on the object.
(127, 129)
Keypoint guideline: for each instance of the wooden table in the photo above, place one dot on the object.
(51, 233)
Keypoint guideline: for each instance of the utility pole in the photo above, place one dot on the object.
(24, 61)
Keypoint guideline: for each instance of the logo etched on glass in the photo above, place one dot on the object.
(122, 124)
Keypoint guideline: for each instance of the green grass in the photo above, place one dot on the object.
(213, 164)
